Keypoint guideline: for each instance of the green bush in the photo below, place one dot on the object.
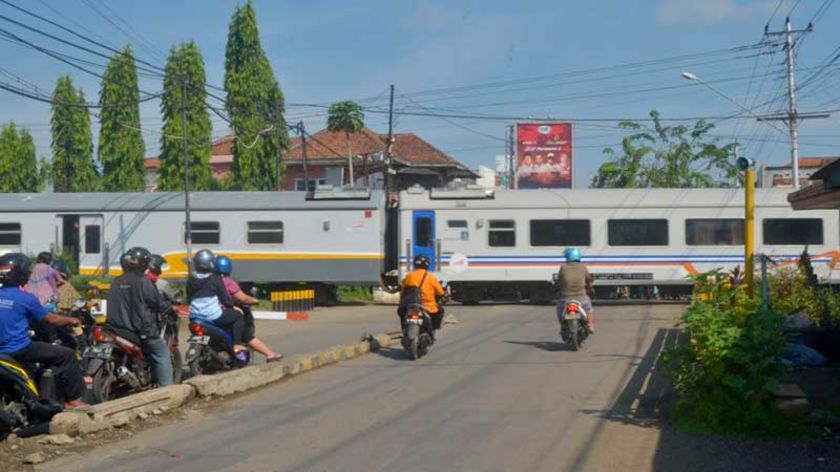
(797, 289)
(725, 373)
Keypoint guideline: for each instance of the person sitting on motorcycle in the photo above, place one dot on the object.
(44, 280)
(430, 290)
(156, 263)
(18, 309)
(134, 304)
(224, 266)
(67, 293)
(575, 283)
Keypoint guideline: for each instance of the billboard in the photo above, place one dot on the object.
(544, 155)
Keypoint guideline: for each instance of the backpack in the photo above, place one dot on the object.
(412, 295)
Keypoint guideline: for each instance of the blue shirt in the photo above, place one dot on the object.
(17, 310)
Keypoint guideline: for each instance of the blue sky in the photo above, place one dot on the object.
(324, 51)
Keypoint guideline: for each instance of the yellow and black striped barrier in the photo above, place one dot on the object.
(293, 300)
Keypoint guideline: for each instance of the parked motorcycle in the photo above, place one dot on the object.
(116, 361)
(574, 324)
(211, 348)
(27, 401)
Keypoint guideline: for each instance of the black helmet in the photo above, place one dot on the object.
(422, 262)
(45, 257)
(156, 262)
(15, 269)
(62, 268)
(136, 259)
(203, 261)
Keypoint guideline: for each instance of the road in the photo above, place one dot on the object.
(498, 392)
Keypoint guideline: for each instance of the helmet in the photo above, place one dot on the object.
(61, 267)
(15, 269)
(156, 263)
(224, 265)
(572, 254)
(136, 259)
(422, 262)
(203, 261)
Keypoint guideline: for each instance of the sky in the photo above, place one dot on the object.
(482, 64)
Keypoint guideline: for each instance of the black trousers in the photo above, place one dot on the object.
(63, 362)
(232, 321)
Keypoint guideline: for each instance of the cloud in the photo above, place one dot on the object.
(711, 11)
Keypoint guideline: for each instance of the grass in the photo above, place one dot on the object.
(349, 294)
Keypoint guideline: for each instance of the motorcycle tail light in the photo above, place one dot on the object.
(572, 308)
(98, 334)
(415, 315)
(196, 329)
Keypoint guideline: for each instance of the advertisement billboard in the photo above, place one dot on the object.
(544, 155)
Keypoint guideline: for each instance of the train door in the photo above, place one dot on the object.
(67, 238)
(423, 241)
(91, 252)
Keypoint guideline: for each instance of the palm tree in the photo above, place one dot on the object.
(346, 117)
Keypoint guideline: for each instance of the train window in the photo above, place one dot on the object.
(637, 232)
(560, 233)
(502, 233)
(457, 230)
(423, 232)
(793, 231)
(93, 239)
(204, 232)
(265, 232)
(714, 232)
(10, 234)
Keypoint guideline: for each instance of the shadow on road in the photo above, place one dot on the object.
(551, 346)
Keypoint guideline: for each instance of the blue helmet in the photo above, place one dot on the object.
(223, 265)
(572, 254)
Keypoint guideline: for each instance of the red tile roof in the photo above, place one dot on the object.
(809, 162)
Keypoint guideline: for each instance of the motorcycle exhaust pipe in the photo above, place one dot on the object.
(127, 376)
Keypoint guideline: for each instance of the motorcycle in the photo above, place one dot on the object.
(574, 324)
(116, 361)
(76, 338)
(417, 334)
(27, 401)
(211, 348)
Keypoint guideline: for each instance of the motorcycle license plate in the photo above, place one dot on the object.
(98, 352)
(203, 340)
(417, 321)
(572, 316)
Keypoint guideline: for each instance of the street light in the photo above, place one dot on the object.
(747, 166)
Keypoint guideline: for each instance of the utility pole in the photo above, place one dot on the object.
(389, 179)
(188, 223)
(792, 117)
(511, 157)
(277, 126)
(302, 131)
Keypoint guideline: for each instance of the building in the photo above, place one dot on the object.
(416, 161)
(780, 176)
(487, 177)
(822, 193)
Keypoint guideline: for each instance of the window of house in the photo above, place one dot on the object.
(714, 232)
(265, 232)
(204, 232)
(10, 234)
(93, 239)
(313, 183)
(798, 231)
(501, 233)
(637, 232)
(560, 233)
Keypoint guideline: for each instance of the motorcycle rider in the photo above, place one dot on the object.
(575, 283)
(224, 266)
(430, 290)
(133, 306)
(156, 263)
(67, 293)
(18, 309)
(44, 280)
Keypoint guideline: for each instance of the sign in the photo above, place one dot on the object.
(544, 155)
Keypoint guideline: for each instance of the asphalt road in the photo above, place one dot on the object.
(498, 392)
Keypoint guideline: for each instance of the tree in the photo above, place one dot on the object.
(346, 117)
(669, 157)
(72, 168)
(255, 105)
(185, 73)
(121, 146)
(18, 164)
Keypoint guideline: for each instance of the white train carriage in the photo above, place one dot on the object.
(506, 244)
(329, 238)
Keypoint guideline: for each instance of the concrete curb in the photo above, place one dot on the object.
(121, 411)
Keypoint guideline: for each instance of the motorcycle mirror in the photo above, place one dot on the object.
(80, 303)
(255, 292)
(178, 298)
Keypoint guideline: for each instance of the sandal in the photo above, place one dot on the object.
(274, 358)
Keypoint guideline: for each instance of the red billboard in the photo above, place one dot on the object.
(544, 155)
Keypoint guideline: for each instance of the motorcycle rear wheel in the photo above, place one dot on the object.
(103, 383)
(177, 366)
(574, 335)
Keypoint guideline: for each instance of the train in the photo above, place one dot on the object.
(486, 244)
